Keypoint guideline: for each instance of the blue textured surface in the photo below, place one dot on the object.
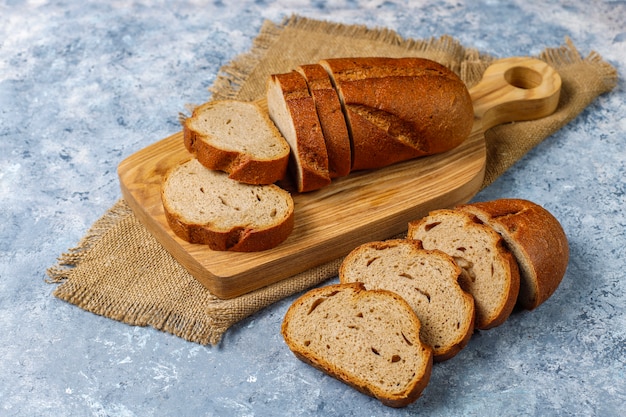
(85, 84)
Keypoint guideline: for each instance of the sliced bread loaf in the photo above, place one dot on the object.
(331, 119)
(537, 240)
(205, 206)
(491, 274)
(400, 108)
(367, 339)
(427, 280)
(238, 138)
(292, 109)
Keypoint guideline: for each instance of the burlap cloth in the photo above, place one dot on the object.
(118, 270)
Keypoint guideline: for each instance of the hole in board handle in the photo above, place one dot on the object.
(523, 77)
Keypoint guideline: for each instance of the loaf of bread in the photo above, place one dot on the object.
(427, 280)
(400, 108)
(238, 138)
(490, 272)
(367, 339)
(205, 206)
(536, 239)
(332, 120)
(292, 109)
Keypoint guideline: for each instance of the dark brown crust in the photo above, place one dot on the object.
(536, 237)
(395, 401)
(331, 119)
(512, 294)
(241, 167)
(311, 150)
(239, 239)
(416, 102)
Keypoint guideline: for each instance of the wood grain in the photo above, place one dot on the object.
(362, 207)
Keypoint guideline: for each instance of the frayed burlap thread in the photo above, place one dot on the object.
(120, 271)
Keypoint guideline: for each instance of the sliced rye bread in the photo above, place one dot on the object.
(400, 108)
(331, 119)
(238, 138)
(427, 280)
(368, 339)
(292, 109)
(205, 206)
(536, 239)
(491, 274)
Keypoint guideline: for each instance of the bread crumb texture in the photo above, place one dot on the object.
(368, 339)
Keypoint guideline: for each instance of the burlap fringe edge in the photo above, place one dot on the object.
(232, 76)
(568, 54)
(138, 314)
(68, 260)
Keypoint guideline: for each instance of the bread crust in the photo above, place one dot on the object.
(241, 166)
(309, 148)
(411, 106)
(331, 119)
(400, 399)
(237, 239)
(537, 240)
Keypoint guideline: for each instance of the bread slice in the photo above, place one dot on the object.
(238, 138)
(331, 119)
(491, 274)
(292, 109)
(427, 280)
(205, 206)
(536, 239)
(367, 339)
(400, 108)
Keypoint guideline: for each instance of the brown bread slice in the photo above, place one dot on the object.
(367, 339)
(238, 138)
(205, 206)
(537, 240)
(331, 119)
(427, 280)
(400, 108)
(292, 109)
(491, 274)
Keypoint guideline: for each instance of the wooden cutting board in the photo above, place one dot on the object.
(362, 207)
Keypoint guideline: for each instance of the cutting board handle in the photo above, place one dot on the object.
(515, 89)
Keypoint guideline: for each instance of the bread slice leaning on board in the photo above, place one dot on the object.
(238, 138)
(331, 119)
(369, 339)
(478, 235)
(292, 109)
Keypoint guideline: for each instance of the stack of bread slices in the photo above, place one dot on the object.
(403, 304)
(323, 121)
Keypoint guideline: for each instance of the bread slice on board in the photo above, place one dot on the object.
(490, 272)
(205, 206)
(537, 240)
(367, 339)
(400, 108)
(292, 109)
(427, 280)
(238, 138)
(331, 119)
